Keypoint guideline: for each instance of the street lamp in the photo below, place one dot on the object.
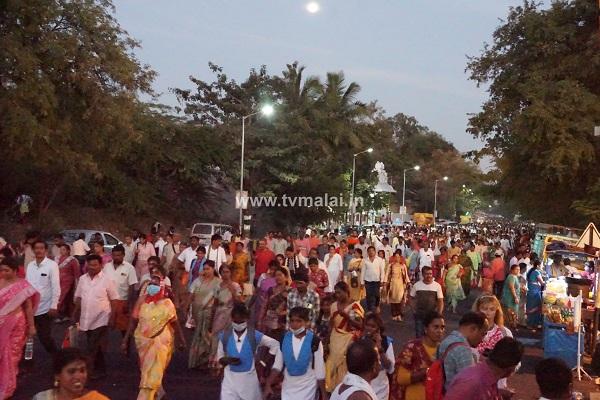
(265, 110)
(352, 205)
(403, 211)
(445, 178)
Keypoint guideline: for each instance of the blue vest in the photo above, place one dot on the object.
(246, 355)
(299, 366)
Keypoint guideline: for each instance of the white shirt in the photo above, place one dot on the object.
(95, 294)
(160, 245)
(227, 236)
(217, 255)
(243, 385)
(373, 271)
(80, 248)
(334, 268)
(513, 261)
(381, 384)
(123, 276)
(280, 246)
(422, 286)
(304, 261)
(129, 252)
(186, 257)
(388, 250)
(425, 258)
(45, 278)
(303, 386)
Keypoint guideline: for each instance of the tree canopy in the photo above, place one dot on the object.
(544, 101)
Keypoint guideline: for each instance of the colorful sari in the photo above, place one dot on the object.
(454, 288)
(69, 272)
(413, 357)
(260, 304)
(203, 297)
(341, 336)
(154, 341)
(240, 267)
(13, 331)
(534, 300)
(222, 319)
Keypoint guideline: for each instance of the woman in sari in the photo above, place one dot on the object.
(511, 293)
(346, 325)
(441, 265)
(408, 382)
(143, 251)
(258, 302)
(70, 377)
(154, 320)
(454, 289)
(535, 283)
(240, 264)
(69, 272)
(354, 268)
(397, 281)
(228, 292)
(18, 301)
(202, 296)
(274, 319)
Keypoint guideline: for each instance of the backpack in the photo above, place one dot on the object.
(314, 346)
(436, 376)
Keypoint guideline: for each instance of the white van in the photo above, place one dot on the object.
(204, 231)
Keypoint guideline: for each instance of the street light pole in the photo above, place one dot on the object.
(265, 110)
(435, 199)
(403, 213)
(352, 205)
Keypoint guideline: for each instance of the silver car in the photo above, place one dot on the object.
(110, 240)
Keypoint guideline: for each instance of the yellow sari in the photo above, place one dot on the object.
(154, 340)
(341, 336)
(50, 394)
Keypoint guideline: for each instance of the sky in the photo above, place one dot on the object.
(409, 55)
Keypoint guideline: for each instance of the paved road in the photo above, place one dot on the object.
(183, 384)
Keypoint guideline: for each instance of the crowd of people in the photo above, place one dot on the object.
(300, 317)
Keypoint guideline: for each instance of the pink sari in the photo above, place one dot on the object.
(13, 331)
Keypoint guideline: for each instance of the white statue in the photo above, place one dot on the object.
(382, 177)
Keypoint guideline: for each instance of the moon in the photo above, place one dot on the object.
(313, 7)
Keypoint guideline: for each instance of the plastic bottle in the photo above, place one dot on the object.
(29, 349)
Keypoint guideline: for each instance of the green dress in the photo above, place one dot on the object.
(508, 299)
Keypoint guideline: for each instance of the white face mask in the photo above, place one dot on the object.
(239, 327)
(298, 331)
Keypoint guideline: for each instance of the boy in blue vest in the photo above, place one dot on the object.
(301, 356)
(236, 352)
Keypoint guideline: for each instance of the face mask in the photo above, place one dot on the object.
(239, 327)
(298, 331)
(152, 290)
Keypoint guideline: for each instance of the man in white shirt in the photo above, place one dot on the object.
(312, 254)
(159, 245)
(227, 236)
(94, 305)
(216, 252)
(372, 276)
(428, 296)
(80, 249)
(43, 274)
(129, 247)
(426, 255)
(279, 244)
(385, 246)
(335, 268)
(124, 277)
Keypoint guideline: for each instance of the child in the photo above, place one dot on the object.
(302, 357)
(322, 326)
(236, 352)
(373, 329)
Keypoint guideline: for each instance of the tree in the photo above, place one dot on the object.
(68, 94)
(542, 71)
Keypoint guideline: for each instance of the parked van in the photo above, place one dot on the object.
(204, 231)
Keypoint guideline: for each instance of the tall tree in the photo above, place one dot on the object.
(69, 82)
(542, 71)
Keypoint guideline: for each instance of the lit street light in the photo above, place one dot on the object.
(352, 205)
(313, 7)
(403, 210)
(445, 178)
(266, 110)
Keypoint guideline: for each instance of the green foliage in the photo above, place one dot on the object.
(542, 70)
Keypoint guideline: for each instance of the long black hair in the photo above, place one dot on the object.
(536, 264)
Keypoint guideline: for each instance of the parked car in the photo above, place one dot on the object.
(204, 230)
(110, 240)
